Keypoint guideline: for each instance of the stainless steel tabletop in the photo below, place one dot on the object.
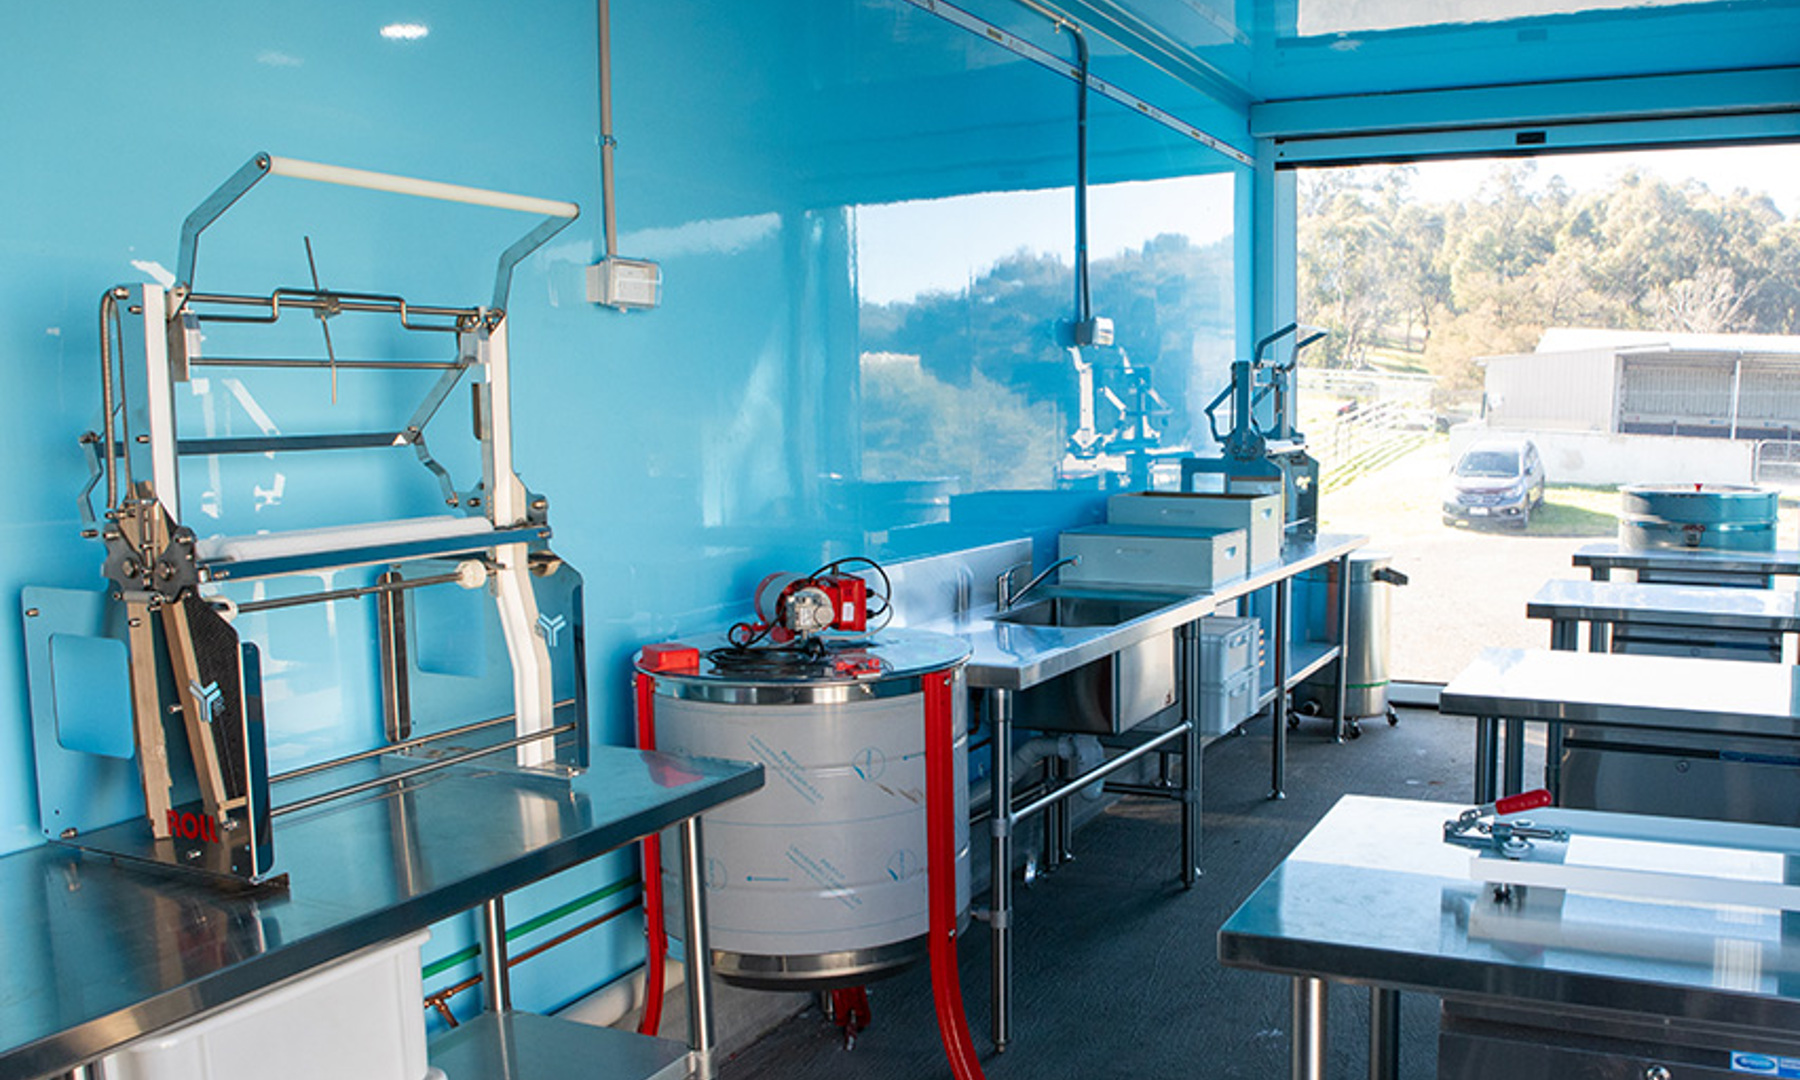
(1374, 896)
(1009, 656)
(1682, 605)
(1739, 696)
(100, 954)
(1611, 556)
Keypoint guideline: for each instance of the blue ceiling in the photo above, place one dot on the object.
(1275, 50)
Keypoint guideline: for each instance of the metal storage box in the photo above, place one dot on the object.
(1195, 560)
(1258, 515)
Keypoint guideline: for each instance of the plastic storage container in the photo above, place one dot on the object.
(1148, 555)
(1229, 646)
(1223, 706)
(358, 1018)
(1258, 515)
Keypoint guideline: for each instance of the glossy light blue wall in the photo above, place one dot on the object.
(686, 451)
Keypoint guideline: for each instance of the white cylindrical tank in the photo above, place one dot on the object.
(819, 878)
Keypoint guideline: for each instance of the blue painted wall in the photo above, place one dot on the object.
(773, 157)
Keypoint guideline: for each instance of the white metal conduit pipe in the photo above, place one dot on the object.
(409, 185)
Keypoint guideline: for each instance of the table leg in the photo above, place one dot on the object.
(1384, 1034)
(1000, 828)
(1564, 635)
(1515, 757)
(494, 967)
(1599, 634)
(1190, 756)
(1308, 1056)
(699, 952)
(1278, 712)
(1487, 765)
(1553, 753)
(1338, 719)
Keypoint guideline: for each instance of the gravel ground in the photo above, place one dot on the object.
(1468, 586)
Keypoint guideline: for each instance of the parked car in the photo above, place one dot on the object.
(1495, 480)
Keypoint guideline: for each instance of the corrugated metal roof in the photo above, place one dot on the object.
(1571, 338)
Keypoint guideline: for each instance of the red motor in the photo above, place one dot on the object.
(798, 606)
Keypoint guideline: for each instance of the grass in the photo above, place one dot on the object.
(1577, 510)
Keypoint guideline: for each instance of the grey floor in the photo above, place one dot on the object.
(1117, 974)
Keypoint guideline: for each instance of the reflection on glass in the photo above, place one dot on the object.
(969, 377)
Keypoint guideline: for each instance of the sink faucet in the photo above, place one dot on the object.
(1005, 597)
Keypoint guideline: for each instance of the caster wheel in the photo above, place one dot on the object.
(1307, 708)
(1353, 730)
(1393, 717)
(1293, 722)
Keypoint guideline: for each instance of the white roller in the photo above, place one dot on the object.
(426, 189)
(338, 538)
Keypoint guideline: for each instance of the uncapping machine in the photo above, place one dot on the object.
(194, 686)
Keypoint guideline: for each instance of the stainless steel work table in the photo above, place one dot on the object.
(1567, 604)
(1006, 658)
(1374, 897)
(1603, 558)
(1713, 697)
(102, 953)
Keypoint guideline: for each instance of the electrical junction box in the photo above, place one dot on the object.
(626, 284)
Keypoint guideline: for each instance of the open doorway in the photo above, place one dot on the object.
(1512, 340)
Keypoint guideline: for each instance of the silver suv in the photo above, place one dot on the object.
(1495, 480)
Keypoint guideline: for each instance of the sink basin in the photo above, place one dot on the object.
(1083, 610)
(1105, 696)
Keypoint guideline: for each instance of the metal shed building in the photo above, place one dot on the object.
(1729, 386)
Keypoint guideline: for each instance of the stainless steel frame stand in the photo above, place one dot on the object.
(1278, 711)
(1308, 1051)
(699, 954)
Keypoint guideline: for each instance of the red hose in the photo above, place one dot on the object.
(656, 943)
(940, 829)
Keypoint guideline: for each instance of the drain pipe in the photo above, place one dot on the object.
(656, 937)
(940, 873)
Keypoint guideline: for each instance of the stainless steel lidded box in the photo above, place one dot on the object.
(1195, 560)
(1260, 516)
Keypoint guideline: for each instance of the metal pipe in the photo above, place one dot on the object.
(1308, 1051)
(609, 220)
(1190, 757)
(1101, 772)
(252, 606)
(497, 995)
(1515, 757)
(1143, 791)
(1278, 713)
(434, 766)
(1342, 687)
(302, 362)
(107, 306)
(699, 974)
(334, 302)
(1486, 767)
(1000, 706)
(392, 748)
(1384, 1033)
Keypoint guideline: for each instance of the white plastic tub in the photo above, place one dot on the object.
(1224, 706)
(359, 1018)
(1229, 646)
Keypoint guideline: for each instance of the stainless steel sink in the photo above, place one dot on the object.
(1083, 610)
(1108, 695)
